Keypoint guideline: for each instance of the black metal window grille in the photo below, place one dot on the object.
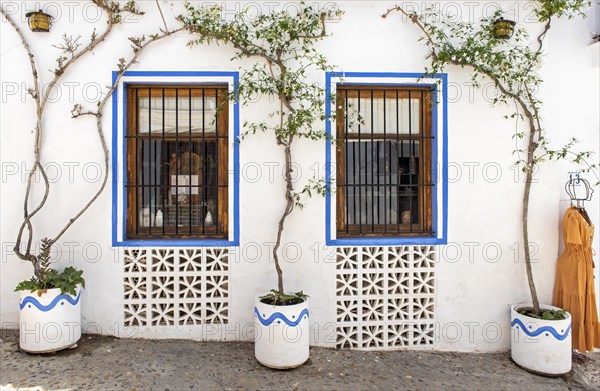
(177, 155)
(384, 181)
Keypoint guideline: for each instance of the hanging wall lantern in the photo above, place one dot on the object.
(39, 21)
(504, 29)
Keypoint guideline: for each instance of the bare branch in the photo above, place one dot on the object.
(162, 16)
(540, 40)
(74, 57)
(415, 19)
(35, 93)
(70, 47)
(77, 112)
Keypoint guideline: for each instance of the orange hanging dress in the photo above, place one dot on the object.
(574, 288)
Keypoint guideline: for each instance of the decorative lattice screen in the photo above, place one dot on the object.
(166, 287)
(385, 297)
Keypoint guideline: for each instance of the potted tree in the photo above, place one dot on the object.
(50, 306)
(541, 340)
(50, 302)
(283, 44)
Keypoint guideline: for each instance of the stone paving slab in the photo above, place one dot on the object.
(106, 363)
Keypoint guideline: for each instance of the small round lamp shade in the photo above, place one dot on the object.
(39, 21)
(503, 29)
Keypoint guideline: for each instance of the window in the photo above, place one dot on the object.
(177, 157)
(384, 161)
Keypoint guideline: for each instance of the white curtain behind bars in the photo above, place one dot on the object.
(176, 115)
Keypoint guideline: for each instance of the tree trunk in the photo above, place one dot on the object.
(532, 146)
(288, 209)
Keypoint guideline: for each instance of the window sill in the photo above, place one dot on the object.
(387, 241)
(175, 243)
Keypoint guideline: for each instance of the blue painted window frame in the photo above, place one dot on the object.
(442, 237)
(117, 242)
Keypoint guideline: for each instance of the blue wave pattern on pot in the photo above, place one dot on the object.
(278, 315)
(53, 303)
(543, 329)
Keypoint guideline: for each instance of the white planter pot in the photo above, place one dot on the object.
(50, 322)
(282, 334)
(540, 346)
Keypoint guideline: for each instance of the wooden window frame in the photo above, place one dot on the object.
(426, 188)
(133, 147)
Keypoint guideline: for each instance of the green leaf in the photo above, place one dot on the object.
(280, 298)
(28, 285)
(66, 281)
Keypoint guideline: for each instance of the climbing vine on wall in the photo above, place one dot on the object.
(514, 67)
(72, 50)
(284, 45)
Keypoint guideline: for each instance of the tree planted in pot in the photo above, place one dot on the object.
(541, 342)
(284, 46)
(50, 306)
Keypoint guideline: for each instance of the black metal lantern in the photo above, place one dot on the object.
(39, 21)
(504, 29)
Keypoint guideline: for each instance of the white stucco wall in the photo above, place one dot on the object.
(474, 284)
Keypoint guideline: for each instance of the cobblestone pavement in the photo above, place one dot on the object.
(106, 363)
